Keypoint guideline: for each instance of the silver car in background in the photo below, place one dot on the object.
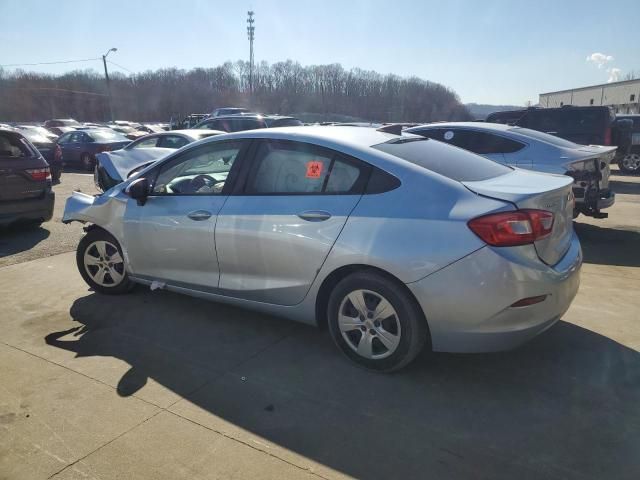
(589, 166)
(396, 242)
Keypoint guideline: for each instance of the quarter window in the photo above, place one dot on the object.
(284, 167)
(201, 171)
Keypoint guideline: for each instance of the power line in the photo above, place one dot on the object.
(120, 66)
(47, 63)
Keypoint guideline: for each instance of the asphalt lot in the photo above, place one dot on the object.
(156, 385)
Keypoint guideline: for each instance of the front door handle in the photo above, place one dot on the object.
(199, 215)
(315, 215)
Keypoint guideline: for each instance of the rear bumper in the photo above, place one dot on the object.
(467, 304)
(40, 209)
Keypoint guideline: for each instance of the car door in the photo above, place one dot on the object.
(275, 232)
(66, 146)
(171, 237)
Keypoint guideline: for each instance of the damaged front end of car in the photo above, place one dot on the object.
(591, 184)
(100, 210)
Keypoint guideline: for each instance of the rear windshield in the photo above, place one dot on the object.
(107, 136)
(14, 146)
(544, 137)
(34, 136)
(283, 122)
(452, 162)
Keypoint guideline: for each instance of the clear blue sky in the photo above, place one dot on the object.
(488, 51)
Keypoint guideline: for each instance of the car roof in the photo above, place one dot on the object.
(496, 127)
(190, 132)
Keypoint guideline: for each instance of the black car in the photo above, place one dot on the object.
(25, 181)
(582, 125)
(628, 127)
(48, 149)
(233, 123)
(80, 147)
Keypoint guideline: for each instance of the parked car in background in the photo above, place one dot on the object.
(129, 132)
(47, 147)
(534, 150)
(582, 125)
(187, 122)
(233, 123)
(150, 128)
(629, 143)
(25, 181)
(273, 121)
(80, 146)
(218, 112)
(61, 125)
(38, 129)
(362, 230)
(115, 167)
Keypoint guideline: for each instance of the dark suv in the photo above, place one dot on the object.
(25, 181)
(628, 128)
(583, 125)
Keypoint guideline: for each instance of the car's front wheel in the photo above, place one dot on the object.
(630, 163)
(376, 322)
(101, 263)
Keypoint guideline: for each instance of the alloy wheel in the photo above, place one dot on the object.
(104, 264)
(369, 324)
(631, 162)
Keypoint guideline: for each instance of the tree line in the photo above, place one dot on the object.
(328, 91)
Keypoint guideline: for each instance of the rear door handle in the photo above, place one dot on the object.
(315, 215)
(199, 215)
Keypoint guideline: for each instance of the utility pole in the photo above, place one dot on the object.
(106, 77)
(250, 34)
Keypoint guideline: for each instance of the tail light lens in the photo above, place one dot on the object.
(104, 148)
(508, 229)
(39, 174)
(57, 154)
(607, 136)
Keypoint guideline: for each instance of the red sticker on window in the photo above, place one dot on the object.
(314, 169)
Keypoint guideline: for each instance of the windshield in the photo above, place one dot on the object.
(446, 160)
(107, 136)
(544, 137)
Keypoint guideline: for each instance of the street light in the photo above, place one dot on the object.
(106, 77)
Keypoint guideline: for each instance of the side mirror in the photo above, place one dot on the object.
(138, 190)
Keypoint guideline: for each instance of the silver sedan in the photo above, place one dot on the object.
(396, 242)
(521, 147)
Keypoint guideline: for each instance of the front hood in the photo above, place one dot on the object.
(119, 163)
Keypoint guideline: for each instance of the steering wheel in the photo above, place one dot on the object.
(201, 181)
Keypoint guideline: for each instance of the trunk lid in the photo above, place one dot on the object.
(528, 189)
(601, 157)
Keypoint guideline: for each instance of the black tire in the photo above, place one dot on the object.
(630, 164)
(88, 246)
(413, 330)
(87, 162)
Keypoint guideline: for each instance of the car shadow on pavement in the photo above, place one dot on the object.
(609, 246)
(562, 406)
(20, 237)
(625, 188)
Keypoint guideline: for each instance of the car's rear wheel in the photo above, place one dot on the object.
(87, 162)
(376, 322)
(630, 163)
(101, 263)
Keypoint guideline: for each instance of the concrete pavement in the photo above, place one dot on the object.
(157, 385)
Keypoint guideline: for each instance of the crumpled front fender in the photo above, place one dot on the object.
(105, 210)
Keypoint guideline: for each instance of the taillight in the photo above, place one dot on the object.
(104, 148)
(507, 229)
(39, 174)
(607, 136)
(57, 154)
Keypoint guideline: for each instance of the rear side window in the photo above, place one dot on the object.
(172, 141)
(13, 146)
(544, 137)
(482, 143)
(285, 167)
(452, 163)
(240, 124)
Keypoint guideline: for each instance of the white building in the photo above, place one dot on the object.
(623, 96)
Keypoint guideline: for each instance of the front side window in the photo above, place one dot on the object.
(285, 167)
(201, 171)
(65, 138)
